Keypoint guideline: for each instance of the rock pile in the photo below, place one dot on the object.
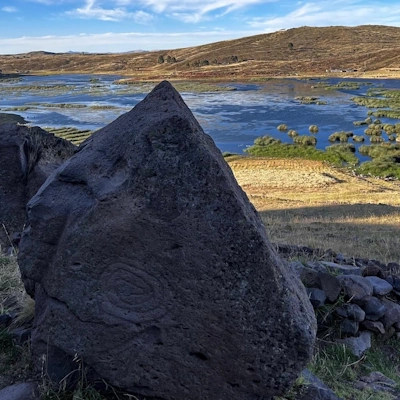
(28, 155)
(147, 260)
(362, 295)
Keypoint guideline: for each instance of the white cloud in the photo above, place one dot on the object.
(185, 10)
(116, 42)
(196, 10)
(330, 13)
(9, 9)
(93, 11)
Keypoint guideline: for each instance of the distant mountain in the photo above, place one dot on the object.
(336, 50)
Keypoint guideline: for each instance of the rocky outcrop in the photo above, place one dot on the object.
(28, 155)
(148, 261)
(362, 295)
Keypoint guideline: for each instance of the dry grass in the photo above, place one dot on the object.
(309, 203)
(366, 50)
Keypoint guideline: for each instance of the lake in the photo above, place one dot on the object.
(232, 118)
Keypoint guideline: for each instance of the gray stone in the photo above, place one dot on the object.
(309, 277)
(348, 327)
(297, 267)
(394, 281)
(358, 345)
(380, 286)
(148, 261)
(373, 307)
(352, 311)
(28, 155)
(377, 382)
(321, 280)
(341, 269)
(374, 326)
(20, 391)
(356, 287)
(392, 313)
(330, 285)
(317, 297)
(315, 389)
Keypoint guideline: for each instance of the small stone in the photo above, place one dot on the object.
(373, 307)
(348, 327)
(330, 285)
(352, 311)
(316, 266)
(374, 326)
(394, 281)
(309, 277)
(358, 345)
(380, 286)
(376, 382)
(316, 296)
(20, 391)
(341, 269)
(372, 270)
(315, 389)
(356, 287)
(392, 314)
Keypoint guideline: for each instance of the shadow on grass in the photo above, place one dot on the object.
(355, 230)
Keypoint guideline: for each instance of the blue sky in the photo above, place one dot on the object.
(127, 25)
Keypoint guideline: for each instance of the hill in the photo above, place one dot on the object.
(367, 50)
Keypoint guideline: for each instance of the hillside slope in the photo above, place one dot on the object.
(355, 51)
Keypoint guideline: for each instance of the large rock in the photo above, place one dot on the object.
(150, 263)
(28, 155)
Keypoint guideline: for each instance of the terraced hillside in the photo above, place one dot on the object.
(337, 50)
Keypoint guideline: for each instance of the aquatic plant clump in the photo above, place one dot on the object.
(313, 129)
(376, 139)
(293, 133)
(305, 140)
(266, 141)
(282, 127)
(341, 136)
(358, 138)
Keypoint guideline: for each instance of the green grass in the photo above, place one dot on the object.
(285, 150)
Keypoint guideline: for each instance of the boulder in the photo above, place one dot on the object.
(28, 155)
(149, 263)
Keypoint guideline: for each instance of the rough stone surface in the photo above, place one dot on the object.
(377, 382)
(352, 311)
(341, 269)
(355, 287)
(148, 260)
(330, 285)
(380, 286)
(358, 345)
(315, 389)
(20, 391)
(349, 327)
(374, 326)
(373, 307)
(27, 158)
(317, 297)
(392, 314)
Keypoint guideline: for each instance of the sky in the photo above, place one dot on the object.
(133, 25)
